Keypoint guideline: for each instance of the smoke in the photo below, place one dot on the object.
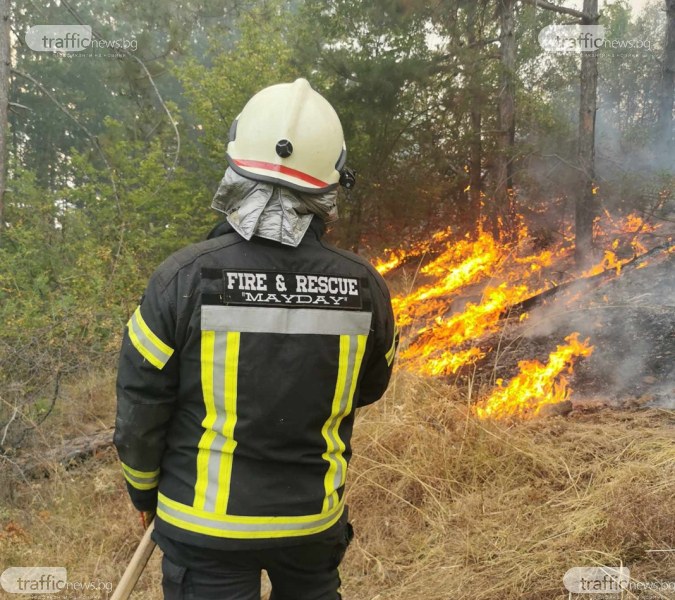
(632, 164)
(664, 396)
(630, 321)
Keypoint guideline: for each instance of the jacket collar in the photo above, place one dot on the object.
(316, 230)
(220, 229)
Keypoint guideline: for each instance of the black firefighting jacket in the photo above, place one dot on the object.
(238, 378)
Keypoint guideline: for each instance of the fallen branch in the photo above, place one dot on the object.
(592, 281)
(73, 451)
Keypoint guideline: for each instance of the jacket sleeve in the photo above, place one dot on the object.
(378, 369)
(147, 382)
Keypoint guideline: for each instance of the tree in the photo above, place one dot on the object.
(585, 206)
(471, 32)
(585, 203)
(475, 162)
(5, 72)
(375, 66)
(665, 122)
(506, 122)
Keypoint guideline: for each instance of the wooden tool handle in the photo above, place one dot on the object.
(136, 566)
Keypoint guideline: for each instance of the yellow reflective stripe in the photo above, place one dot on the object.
(154, 350)
(141, 480)
(225, 471)
(243, 527)
(207, 351)
(360, 350)
(327, 431)
(392, 351)
(352, 349)
(141, 486)
(160, 345)
(219, 365)
(143, 474)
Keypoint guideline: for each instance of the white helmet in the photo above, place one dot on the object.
(289, 134)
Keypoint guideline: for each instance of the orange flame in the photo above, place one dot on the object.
(609, 261)
(458, 266)
(397, 257)
(536, 385)
(388, 265)
(632, 225)
(466, 290)
(474, 321)
(435, 347)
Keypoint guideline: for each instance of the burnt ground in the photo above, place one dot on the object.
(630, 321)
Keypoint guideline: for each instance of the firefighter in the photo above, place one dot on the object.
(242, 367)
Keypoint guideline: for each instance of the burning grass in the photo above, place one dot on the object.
(523, 395)
(444, 505)
(470, 285)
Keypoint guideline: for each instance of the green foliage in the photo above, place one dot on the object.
(217, 86)
(97, 201)
(376, 67)
(73, 262)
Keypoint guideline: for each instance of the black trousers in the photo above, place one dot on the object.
(303, 572)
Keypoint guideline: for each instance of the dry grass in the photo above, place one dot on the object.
(78, 518)
(444, 506)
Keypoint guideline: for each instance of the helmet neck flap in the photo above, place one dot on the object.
(271, 211)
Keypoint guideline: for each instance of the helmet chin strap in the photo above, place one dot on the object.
(347, 178)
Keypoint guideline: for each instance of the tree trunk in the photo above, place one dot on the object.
(665, 121)
(5, 72)
(586, 200)
(503, 210)
(475, 170)
(354, 202)
(475, 141)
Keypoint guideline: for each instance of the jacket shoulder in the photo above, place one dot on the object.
(355, 258)
(167, 271)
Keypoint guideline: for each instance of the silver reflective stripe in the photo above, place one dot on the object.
(140, 480)
(216, 449)
(161, 356)
(269, 524)
(263, 319)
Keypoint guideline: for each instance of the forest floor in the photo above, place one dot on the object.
(444, 505)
